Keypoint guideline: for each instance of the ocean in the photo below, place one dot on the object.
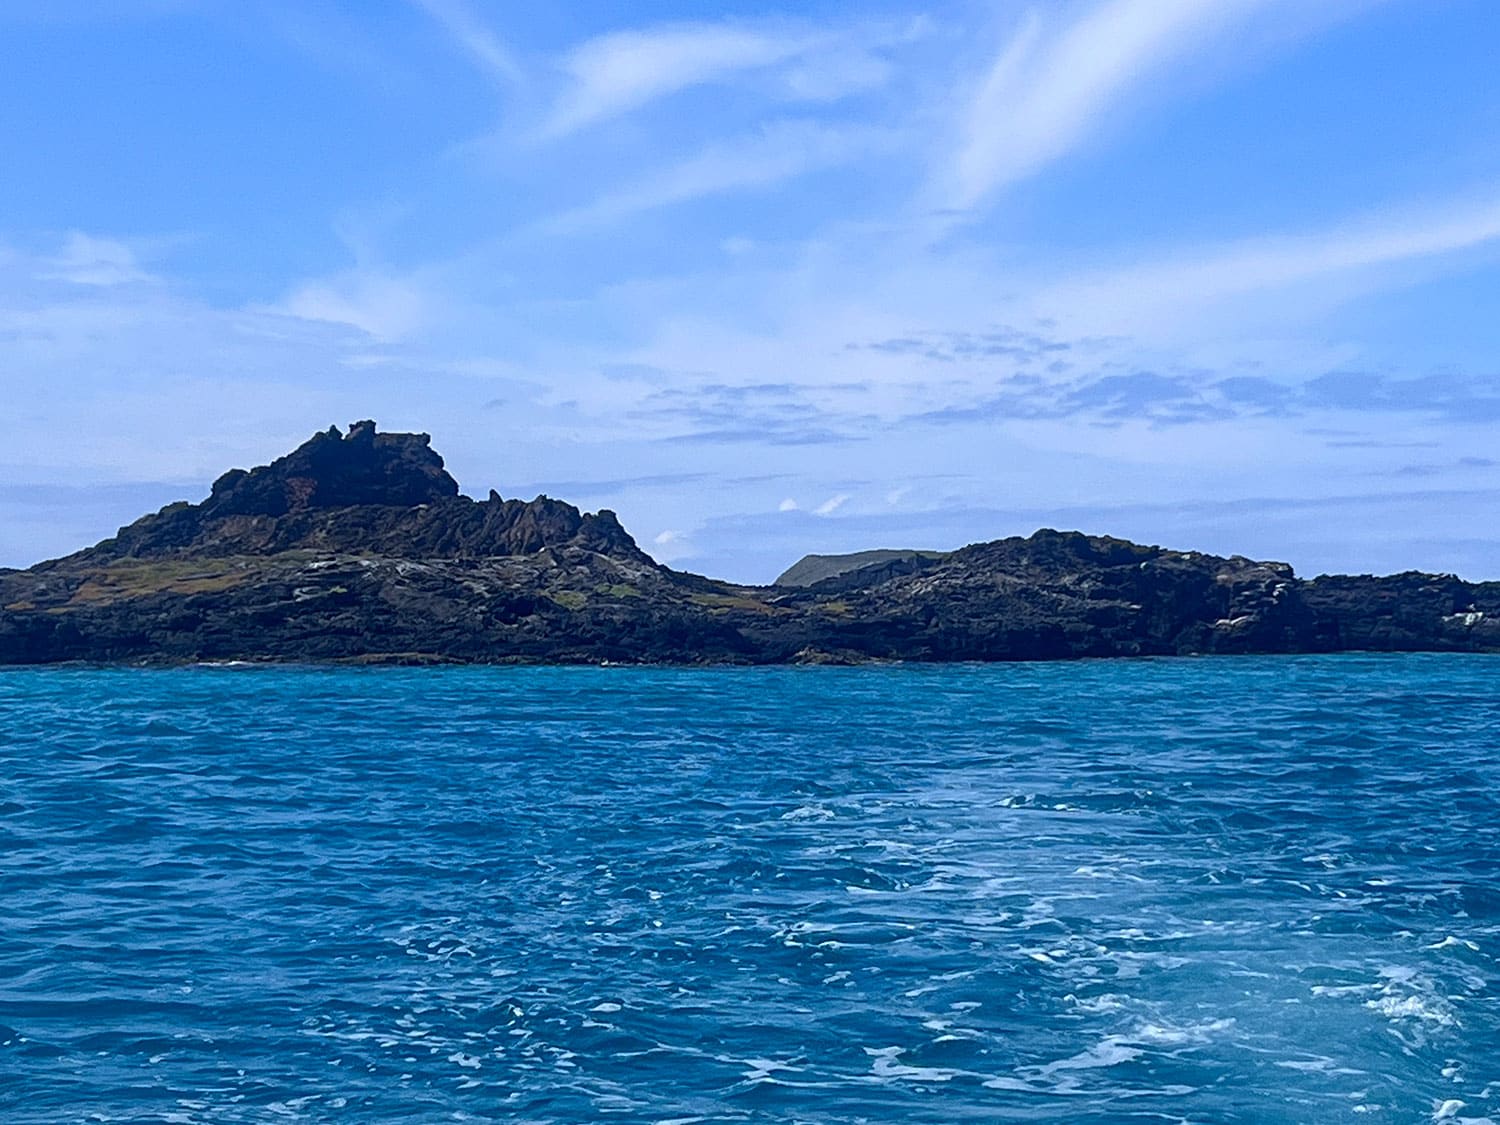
(1196, 890)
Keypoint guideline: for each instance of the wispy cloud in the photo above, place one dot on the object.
(1179, 398)
(828, 76)
(619, 72)
(831, 505)
(622, 71)
(477, 40)
(1048, 87)
(672, 545)
(380, 305)
(86, 260)
(776, 414)
(779, 151)
(1176, 285)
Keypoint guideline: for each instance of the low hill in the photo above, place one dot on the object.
(809, 570)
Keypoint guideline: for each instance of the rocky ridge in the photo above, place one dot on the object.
(359, 547)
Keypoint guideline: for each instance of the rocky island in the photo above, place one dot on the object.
(358, 547)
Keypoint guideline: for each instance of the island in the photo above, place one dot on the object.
(358, 547)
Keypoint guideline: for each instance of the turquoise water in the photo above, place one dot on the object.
(1232, 890)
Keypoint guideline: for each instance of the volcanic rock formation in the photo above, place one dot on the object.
(359, 547)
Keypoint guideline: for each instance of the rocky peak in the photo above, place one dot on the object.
(335, 470)
(364, 492)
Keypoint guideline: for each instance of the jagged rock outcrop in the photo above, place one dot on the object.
(361, 492)
(359, 547)
(334, 470)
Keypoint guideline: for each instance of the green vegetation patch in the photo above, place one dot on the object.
(734, 601)
(139, 578)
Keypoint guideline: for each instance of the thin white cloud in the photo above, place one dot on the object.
(779, 151)
(1047, 88)
(382, 306)
(477, 40)
(1179, 284)
(831, 505)
(619, 72)
(86, 260)
(829, 76)
(672, 545)
(788, 505)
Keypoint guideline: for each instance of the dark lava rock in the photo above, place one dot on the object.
(364, 492)
(333, 470)
(358, 547)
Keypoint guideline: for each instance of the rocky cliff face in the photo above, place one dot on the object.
(359, 547)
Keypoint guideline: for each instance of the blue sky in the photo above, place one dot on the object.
(1216, 274)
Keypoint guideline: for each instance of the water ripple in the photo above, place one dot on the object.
(1256, 890)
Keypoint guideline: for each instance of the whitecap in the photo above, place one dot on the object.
(809, 812)
(1431, 1011)
(887, 1065)
(1112, 1051)
(1450, 942)
(1096, 1005)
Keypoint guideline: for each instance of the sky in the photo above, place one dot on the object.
(770, 279)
